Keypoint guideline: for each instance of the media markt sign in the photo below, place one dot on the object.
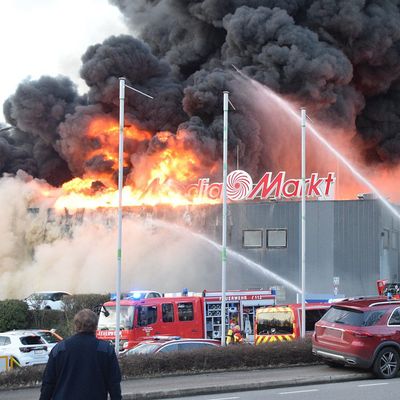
(240, 186)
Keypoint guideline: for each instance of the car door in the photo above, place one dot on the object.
(394, 325)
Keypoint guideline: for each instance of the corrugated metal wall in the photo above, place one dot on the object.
(356, 242)
(344, 240)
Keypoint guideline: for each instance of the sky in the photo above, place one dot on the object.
(48, 37)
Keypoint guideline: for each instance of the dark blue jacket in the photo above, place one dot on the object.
(81, 368)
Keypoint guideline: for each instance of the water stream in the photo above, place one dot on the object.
(235, 255)
(294, 114)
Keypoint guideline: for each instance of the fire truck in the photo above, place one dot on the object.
(188, 316)
(386, 288)
(283, 322)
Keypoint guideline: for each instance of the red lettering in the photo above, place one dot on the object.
(313, 186)
(267, 187)
(286, 188)
(193, 190)
(214, 191)
(329, 180)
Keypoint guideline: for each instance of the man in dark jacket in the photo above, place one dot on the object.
(82, 367)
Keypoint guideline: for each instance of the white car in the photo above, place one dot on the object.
(24, 348)
(137, 295)
(49, 337)
(52, 300)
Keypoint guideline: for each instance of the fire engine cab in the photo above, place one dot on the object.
(191, 316)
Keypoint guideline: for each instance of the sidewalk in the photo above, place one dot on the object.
(220, 382)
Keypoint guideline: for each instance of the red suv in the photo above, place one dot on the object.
(361, 332)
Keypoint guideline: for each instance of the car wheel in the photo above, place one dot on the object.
(387, 363)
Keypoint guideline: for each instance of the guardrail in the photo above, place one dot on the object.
(8, 362)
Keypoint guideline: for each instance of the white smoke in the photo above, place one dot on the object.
(41, 250)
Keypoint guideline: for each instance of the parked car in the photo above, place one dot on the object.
(52, 300)
(24, 347)
(362, 332)
(164, 345)
(138, 295)
(49, 337)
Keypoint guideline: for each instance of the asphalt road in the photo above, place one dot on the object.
(355, 390)
(220, 382)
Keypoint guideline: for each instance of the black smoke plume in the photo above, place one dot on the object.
(341, 58)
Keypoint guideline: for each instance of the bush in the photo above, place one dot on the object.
(225, 358)
(231, 357)
(13, 315)
(78, 302)
(48, 319)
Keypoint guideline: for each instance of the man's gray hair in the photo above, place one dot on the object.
(85, 321)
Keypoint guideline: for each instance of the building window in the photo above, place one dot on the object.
(276, 238)
(395, 240)
(252, 238)
(385, 237)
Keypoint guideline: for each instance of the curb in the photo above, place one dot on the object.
(165, 394)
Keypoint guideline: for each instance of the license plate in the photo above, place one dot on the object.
(39, 351)
(333, 332)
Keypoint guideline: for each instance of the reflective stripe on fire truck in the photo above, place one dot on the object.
(274, 338)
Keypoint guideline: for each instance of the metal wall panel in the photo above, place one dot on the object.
(343, 240)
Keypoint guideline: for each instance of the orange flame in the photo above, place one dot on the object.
(158, 178)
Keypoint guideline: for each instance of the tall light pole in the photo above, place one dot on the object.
(303, 221)
(122, 86)
(224, 209)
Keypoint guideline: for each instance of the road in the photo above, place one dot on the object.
(192, 385)
(365, 390)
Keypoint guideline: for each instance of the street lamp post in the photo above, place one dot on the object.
(303, 221)
(224, 209)
(122, 86)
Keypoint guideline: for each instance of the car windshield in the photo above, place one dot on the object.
(144, 348)
(275, 323)
(107, 318)
(348, 316)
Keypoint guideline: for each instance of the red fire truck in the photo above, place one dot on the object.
(386, 288)
(283, 322)
(197, 316)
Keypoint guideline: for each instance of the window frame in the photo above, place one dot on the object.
(276, 230)
(391, 315)
(261, 231)
(181, 316)
(140, 320)
(165, 312)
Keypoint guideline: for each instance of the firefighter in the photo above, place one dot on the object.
(234, 336)
(237, 335)
(230, 335)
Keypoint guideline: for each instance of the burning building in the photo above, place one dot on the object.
(340, 60)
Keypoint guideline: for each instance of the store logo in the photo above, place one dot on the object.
(240, 186)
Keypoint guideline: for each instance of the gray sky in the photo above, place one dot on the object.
(48, 37)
